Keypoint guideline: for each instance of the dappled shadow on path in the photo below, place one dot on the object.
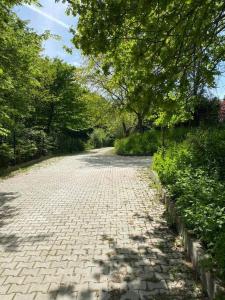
(148, 266)
(63, 291)
(10, 171)
(102, 161)
(7, 211)
(11, 241)
(151, 266)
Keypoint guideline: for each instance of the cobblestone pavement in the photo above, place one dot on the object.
(87, 227)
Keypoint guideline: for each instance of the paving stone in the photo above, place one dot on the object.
(16, 280)
(4, 288)
(19, 288)
(42, 296)
(7, 297)
(88, 227)
(39, 287)
(24, 297)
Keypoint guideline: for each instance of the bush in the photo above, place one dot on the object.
(29, 144)
(43, 142)
(99, 138)
(176, 135)
(194, 176)
(6, 155)
(32, 144)
(69, 144)
(25, 152)
(219, 251)
(138, 144)
(201, 149)
(200, 200)
(167, 163)
(208, 148)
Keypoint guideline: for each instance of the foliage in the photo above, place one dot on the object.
(98, 110)
(149, 142)
(42, 100)
(160, 54)
(193, 173)
(202, 148)
(6, 155)
(69, 144)
(120, 123)
(176, 157)
(207, 112)
(31, 143)
(99, 138)
(138, 144)
(176, 134)
(119, 88)
(219, 251)
(104, 115)
(206, 148)
(200, 199)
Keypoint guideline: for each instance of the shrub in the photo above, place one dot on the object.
(219, 251)
(176, 135)
(25, 152)
(43, 142)
(68, 144)
(99, 138)
(208, 148)
(6, 155)
(193, 172)
(138, 144)
(202, 148)
(200, 200)
(168, 162)
(32, 144)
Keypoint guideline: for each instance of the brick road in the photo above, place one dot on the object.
(88, 227)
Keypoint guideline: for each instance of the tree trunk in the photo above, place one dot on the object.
(125, 129)
(140, 126)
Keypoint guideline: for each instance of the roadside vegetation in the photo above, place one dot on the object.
(157, 61)
(193, 174)
(146, 87)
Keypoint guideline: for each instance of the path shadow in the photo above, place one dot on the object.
(7, 211)
(116, 161)
(63, 292)
(12, 169)
(67, 292)
(11, 242)
(152, 268)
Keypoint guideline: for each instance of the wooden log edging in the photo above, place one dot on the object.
(195, 252)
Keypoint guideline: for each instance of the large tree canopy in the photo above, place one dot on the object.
(168, 49)
(43, 103)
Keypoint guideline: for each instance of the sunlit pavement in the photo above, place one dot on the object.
(89, 227)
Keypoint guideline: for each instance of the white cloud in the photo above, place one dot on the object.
(48, 16)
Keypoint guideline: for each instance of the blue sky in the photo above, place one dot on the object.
(52, 16)
(219, 91)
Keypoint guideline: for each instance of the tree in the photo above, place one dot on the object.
(42, 100)
(173, 47)
(117, 84)
(19, 54)
(58, 100)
